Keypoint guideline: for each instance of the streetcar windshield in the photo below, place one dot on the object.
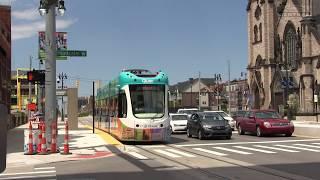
(148, 101)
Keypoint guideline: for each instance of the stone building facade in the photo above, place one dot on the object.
(284, 52)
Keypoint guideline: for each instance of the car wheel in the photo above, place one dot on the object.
(240, 130)
(170, 129)
(259, 133)
(200, 134)
(188, 133)
(228, 137)
(289, 135)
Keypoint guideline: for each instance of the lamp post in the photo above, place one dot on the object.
(47, 8)
(62, 77)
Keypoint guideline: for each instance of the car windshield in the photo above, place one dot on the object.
(212, 117)
(148, 101)
(241, 113)
(267, 115)
(179, 117)
(223, 114)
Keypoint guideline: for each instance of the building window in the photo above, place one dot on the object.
(255, 31)
(290, 43)
(260, 32)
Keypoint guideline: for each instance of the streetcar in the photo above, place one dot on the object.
(134, 106)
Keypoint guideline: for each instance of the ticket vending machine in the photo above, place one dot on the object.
(3, 136)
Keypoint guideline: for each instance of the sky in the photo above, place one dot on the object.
(179, 37)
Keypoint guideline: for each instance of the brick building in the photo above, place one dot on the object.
(284, 52)
(239, 92)
(5, 54)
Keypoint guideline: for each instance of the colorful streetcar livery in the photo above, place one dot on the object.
(134, 106)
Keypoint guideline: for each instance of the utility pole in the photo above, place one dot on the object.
(93, 107)
(199, 107)
(30, 88)
(50, 64)
(229, 87)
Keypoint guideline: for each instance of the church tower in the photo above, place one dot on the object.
(261, 16)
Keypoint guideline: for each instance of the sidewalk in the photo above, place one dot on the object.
(83, 145)
(307, 129)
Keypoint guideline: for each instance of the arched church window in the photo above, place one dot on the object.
(255, 31)
(260, 32)
(290, 42)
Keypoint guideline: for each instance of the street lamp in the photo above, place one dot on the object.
(61, 8)
(48, 8)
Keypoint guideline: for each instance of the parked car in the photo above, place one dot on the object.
(178, 122)
(227, 117)
(264, 122)
(208, 124)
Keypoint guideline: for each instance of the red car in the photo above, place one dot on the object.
(264, 122)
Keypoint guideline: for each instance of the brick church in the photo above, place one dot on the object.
(284, 53)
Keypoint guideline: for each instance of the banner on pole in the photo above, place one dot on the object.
(61, 39)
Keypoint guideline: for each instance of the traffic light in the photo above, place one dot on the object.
(36, 76)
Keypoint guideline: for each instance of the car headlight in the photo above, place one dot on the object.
(267, 124)
(206, 126)
(291, 123)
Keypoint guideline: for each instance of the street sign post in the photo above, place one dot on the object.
(74, 53)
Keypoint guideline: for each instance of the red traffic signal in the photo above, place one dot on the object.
(36, 76)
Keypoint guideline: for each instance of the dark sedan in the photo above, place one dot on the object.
(205, 125)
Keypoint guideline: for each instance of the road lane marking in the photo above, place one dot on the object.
(300, 148)
(44, 168)
(306, 145)
(275, 148)
(180, 153)
(316, 143)
(240, 143)
(153, 146)
(232, 150)
(167, 153)
(254, 149)
(210, 152)
(26, 173)
(137, 155)
(27, 177)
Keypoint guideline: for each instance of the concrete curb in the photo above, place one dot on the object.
(310, 132)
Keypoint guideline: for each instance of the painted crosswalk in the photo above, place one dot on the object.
(276, 148)
(41, 172)
(250, 149)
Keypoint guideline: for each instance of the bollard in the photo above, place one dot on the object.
(66, 140)
(40, 137)
(30, 142)
(53, 148)
(43, 141)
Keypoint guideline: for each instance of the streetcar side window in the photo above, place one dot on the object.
(122, 105)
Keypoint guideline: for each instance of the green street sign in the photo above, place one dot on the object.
(72, 53)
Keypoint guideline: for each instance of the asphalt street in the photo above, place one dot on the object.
(243, 157)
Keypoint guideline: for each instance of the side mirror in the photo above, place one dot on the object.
(251, 117)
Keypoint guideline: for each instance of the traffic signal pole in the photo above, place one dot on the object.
(50, 68)
(30, 90)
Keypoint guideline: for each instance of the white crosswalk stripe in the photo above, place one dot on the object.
(254, 149)
(167, 153)
(137, 155)
(316, 143)
(232, 150)
(180, 153)
(210, 152)
(31, 175)
(300, 148)
(276, 148)
(306, 145)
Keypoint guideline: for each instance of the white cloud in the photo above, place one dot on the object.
(22, 31)
(27, 14)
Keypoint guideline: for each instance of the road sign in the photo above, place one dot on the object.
(72, 53)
